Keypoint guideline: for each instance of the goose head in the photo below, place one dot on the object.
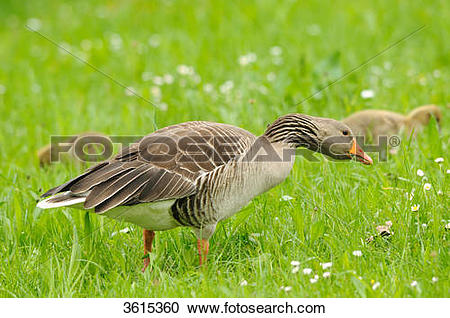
(324, 135)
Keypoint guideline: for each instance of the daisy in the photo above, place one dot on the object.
(439, 160)
(226, 87)
(168, 79)
(271, 76)
(146, 76)
(420, 173)
(243, 283)
(367, 93)
(86, 44)
(295, 269)
(243, 60)
(415, 207)
(34, 24)
(434, 279)
(427, 186)
(286, 198)
(295, 263)
(185, 70)
(130, 91)
(326, 265)
(276, 50)
(155, 91)
(158, 80)
(326, 274)
(307, 271)
(376, 285)
(314, 280)
(357, 253)
(413, 283)
(208, 88)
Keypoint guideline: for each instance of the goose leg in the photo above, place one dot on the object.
(148, 240)
(203, 249)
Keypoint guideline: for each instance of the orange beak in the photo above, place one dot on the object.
(359, 154)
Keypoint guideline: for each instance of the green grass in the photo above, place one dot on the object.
(336, 206)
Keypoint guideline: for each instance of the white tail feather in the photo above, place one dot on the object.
(60, 200)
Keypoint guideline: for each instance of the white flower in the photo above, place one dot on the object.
(115, 41)
(185, 70)
(34, 24)
(208, 87)
(413, 283)
(326, 274)
(420, 173)
(155, 91)
(125, 230)
(440, 192)
(447, 226)
(158, 80)
(326, 265)
(263, 90)
(163, 106)
(146, 76)
(434, 279)
(130, 91)
(427, 186)
(314, 280)
(439, 160)
(276, 50)
(286, 198)
(287, 288)
(357, 253)
(154, 40)
(367, 93)
(448, 171)
(243, 60)
(86, 44)
(376, 285)
(271, 76)
(437, 73)
(424, 225)
(2, 89)
(307, 271)
(226, 87)
(295, 269)
(295, 263)
(415, 207)
(243, 283)
(251, 57)
(168, 79)
(247, 59)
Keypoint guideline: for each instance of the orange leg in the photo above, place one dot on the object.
(148, 240)
(203, 249)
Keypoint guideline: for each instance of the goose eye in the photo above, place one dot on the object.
(346, 133)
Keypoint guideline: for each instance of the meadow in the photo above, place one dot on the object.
(242, 63)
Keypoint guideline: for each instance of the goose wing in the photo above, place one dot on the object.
(161, 166)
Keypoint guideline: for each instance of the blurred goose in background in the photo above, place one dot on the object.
(74, 153)
(198, 173)
(373, 123)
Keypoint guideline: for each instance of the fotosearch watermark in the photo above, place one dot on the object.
(200, 148)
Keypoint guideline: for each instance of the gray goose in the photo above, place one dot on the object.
(375, 122)
(198, 173)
